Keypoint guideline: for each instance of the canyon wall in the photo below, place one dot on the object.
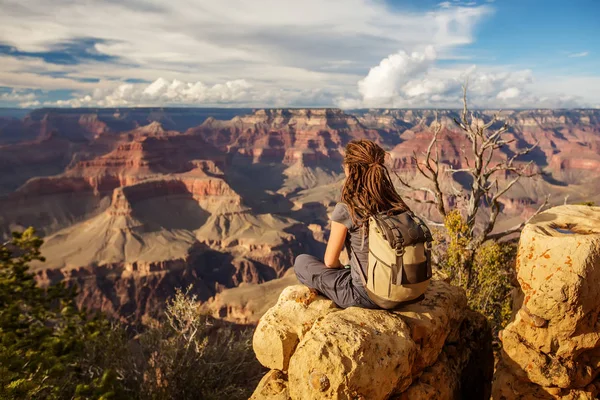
(113, 188)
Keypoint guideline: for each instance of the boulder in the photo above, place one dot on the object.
(553, 345)
(508, 387)
(318, 351)
(340, 354)
(282, 326)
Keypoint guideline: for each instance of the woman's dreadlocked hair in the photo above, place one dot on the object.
(368, 189)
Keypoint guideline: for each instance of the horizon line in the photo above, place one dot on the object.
(255, 108)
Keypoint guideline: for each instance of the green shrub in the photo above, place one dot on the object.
(488, 280)
(51, 350)
(43, 337)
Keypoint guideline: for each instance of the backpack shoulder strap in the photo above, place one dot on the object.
(424, 228)
(390, 231)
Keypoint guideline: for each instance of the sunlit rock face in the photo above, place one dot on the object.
(435, 349)
(552, 348)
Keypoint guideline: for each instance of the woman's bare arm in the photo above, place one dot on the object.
(335, 244)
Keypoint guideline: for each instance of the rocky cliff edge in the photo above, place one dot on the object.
(552, 348)
(435, 349)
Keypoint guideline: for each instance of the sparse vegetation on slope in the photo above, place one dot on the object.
(45, 342)
(192, 356)
(51, 350)
(490, 287)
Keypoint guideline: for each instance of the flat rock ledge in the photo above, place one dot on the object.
(435, 349)
(552, 348)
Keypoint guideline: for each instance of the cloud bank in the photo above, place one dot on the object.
(414, 80)
(238, 53)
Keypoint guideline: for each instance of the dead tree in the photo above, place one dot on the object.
(486, 189)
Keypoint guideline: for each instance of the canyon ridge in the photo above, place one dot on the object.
(134, 203)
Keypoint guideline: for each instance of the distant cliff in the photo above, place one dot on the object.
(111, 188)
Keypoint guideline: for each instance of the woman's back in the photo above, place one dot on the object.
(368, 190)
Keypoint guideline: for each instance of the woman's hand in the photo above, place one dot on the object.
(335, 244)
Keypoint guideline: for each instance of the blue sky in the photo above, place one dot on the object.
(539, 34)
(342, 53)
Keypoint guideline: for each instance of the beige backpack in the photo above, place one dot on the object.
(399, 259)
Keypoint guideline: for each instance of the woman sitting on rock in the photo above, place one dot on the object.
(367, 191)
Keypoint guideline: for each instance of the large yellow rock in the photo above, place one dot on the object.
(508, 387)
(280, 329)
(554, 341)
(353, 353)
(321, 351)
(438, 382)
(464, 368)
(434, 320)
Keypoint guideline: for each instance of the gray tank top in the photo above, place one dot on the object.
(357, 250)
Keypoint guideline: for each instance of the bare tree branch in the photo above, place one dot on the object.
(421, 170)
(485, 171)
(418, 200)
(411, 187)
(501, 143)
(492, 139)
(432, 223)
(510, 184)
(508, 165)
(459, 170)
(518, 228)
(487, 126)
(430, 169)
(457, 192)
(488, 160)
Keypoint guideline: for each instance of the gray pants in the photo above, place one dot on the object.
(333, 283)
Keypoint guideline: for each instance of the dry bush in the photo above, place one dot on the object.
(51, 350)
(192, 356)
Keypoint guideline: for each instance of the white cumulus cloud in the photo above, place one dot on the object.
(387, 79)
(237, 93)
(352, 53)
(509, 93)
(272, 44)
(402, 80)
(163, 91)
(25, 99)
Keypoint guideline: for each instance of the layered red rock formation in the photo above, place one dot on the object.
(161, 234)
(566, 139)
(131, 291)
(22, 161)
(245, 186)
(288, 135)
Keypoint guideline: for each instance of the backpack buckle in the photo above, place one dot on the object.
(399, 251)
